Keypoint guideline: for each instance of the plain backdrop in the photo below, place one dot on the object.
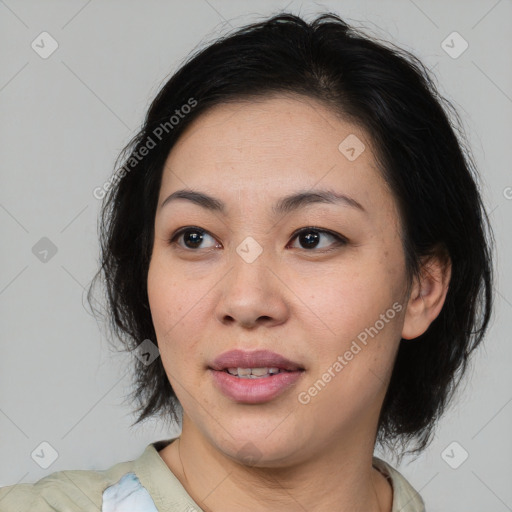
(65, 117)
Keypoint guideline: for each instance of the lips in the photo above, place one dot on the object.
(229, 375)
(254, 359)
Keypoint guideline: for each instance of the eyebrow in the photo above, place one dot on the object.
(283, 206)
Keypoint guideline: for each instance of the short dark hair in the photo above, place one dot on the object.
(421, 153)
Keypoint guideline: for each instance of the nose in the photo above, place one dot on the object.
(252, 294)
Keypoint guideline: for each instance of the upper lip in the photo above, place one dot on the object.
(253, 359)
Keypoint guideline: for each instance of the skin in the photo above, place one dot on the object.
(307, 304)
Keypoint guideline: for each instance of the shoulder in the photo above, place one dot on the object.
(112, 489)
(405, 497)
(75, 490)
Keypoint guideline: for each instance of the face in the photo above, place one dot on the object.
(317, 285)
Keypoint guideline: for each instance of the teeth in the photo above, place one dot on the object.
(259, 372)
(253, 373)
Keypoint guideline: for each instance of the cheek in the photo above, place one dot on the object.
(175, 305)
(352, 293)
(352, 368)
(359, 310)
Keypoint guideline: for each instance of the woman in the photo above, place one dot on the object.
(299, 230)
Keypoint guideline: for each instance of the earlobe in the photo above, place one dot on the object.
(427, 297)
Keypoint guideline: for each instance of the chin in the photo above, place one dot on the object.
(261, 449)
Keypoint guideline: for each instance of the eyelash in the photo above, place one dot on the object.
(339, 239)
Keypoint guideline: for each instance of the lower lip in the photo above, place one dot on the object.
(254, 391)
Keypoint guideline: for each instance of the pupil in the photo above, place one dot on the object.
(192, 237)
(310, 239)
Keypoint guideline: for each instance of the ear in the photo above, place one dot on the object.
(428, 293)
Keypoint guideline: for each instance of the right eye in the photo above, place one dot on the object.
(192, 238)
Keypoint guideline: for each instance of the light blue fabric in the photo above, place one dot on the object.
(127, 495)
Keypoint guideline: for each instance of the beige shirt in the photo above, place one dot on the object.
(145, 484)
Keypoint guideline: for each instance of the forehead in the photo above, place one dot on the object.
(276, 144)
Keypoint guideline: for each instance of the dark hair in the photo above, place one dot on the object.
(415, 132)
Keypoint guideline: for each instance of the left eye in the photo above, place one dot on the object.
(310, 238)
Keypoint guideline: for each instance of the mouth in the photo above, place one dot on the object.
(254, 377)
(254, 364)
(255, 373)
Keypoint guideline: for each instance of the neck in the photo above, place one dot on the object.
(337, 478)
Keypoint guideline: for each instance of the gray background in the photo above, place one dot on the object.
(64, 120)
